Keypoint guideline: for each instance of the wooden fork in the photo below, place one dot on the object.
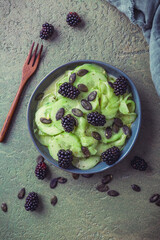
(29, 68)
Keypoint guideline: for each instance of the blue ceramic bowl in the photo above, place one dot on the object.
(53, 76)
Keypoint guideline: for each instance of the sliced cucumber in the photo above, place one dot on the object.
(91, 68)
(44, 139)
(81, 128)
(92, 149)
(65, 141)
(67, 104)
(120, 143)
(106, 102)
(88, 141)
(127, 105)
(45, 112)
(115, 137)
(91, 79)
(103, 101)
(128, 118)
(102, 147)
(95, 106)
(106, 89)
(86, 163)
(49, 98)
(111, 110)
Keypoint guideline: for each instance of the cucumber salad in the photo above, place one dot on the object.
(85, 117)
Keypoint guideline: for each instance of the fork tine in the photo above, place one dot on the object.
(30, 53)
(34, 56)
(38, 57)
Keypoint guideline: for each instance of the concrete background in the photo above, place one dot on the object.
(81, 212)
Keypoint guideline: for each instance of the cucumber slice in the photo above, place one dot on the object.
(131, 105)
(67, 104)
(45, 112)
(81, 128)
(91, 68)
(123, 108)
(127, 105)
(49, 98)
(92, 149)
(121, 142)
(85, 163)
(65, 141)
(44, 139)
(109, 101)
(101, 131)
(111, 110)
(94, 103)
(102, 147)
(88, 141)
(127, 119)
(61, 80)
(54, 147)
(91, 79)
(106, 89)
(103, 101)
(115, 137)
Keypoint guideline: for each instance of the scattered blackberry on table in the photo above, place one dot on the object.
(73, 19)
(47, 31)
(111, 155)
(64, 158)
(139, 164)
(31, 201)
(68, 123)
(69, 91)
(41, 170)
(120, 86)
(96, 119)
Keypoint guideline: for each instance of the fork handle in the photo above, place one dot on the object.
(10, 114)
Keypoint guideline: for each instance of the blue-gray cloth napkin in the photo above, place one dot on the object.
(146, 14)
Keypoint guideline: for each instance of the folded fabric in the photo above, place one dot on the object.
(146, 14)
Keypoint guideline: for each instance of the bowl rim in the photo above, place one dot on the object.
(88, 171)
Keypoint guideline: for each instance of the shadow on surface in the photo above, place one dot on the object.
(55, 35)
(40, 208)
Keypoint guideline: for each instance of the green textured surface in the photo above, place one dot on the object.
(81, 211)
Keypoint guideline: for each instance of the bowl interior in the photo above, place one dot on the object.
(53, 76)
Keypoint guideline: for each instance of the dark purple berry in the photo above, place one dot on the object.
(73, 19)
(139, 163)
(111, 155)
(69, 91)
(64, 158)
(41, 170)
(31, 202)
(47, 31)
(96, 119)
(120, 86)
(68, 123)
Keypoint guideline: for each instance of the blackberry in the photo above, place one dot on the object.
(69, 91)
(41, 170)
(120, 86)
(73, 19)
(64, 158)
(31, 201)
(111, 155)
(68, 123)
(47, 31)
(139, 163)
(96, 119)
